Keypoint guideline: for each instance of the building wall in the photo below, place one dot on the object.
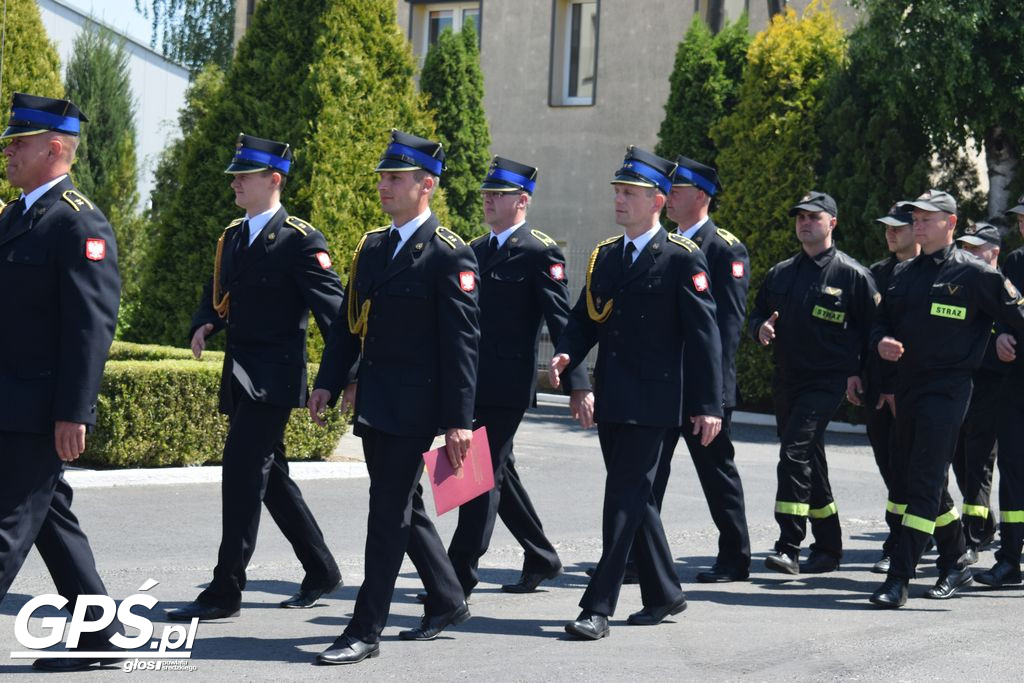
(158, 86)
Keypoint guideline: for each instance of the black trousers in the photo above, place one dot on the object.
(882, 437)
(723, 490)
(1011, 480)
(804, 490)
(518, 515)
(929, 413)
(35, 508)
(631, 454)
(477, 517)
(975, 456)
(255, 471)
(398, 524)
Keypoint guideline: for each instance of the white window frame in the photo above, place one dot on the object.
(561, 57)
(456, 9)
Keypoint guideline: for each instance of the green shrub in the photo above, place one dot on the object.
(164, 413)
(120, 350)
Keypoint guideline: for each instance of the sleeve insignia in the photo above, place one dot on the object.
(738, 270)
(832, 291)
(467, 280)
(700, 281)
(95, 249)
(1010, 289)
(542, 238)
(878, 298)
(449, 237)
(557, 271)
(324, 259)
(729, 238)
(685, 243)
(299, 224)
(76, 200)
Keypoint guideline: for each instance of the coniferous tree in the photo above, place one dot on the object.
(193, 33)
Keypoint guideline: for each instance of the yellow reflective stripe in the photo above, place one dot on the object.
(895, 508)
(947, 518)
(1012, 516)
(823, 512)
(798, 509)
(920, 523)
(974, 511)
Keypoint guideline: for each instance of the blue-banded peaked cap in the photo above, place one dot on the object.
(32, 114)
(253, 154)
(645, 169)
(690, 173)
(407, 152)
(505, 175)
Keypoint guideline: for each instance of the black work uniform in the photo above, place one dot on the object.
(521, 283)
(415, 315)
(826, 304)
(1011, 438)
(642, 314)
(272, 285)
(729, 268)
(61, 289)
(880, 421)
(941, 307)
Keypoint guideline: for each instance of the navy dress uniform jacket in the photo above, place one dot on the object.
(418, 362)
(729, 266)
(522, 283)
(654, 309)
(273, 286)
(58, 273)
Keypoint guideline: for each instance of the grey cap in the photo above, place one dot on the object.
(896, 218)
(981, 233)
(1019, 209)
(932, 200)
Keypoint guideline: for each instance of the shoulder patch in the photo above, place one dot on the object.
(729, 238)
(380, 229)
(77, 201)
(610, 240)
(234, 223)
(685, 243)
(299, 224)
(542, 238)
(449, 237)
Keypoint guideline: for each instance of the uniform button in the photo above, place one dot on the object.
(371, 339)
(615, 333)
(613, 354)
(369, 362)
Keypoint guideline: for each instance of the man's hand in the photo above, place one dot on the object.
(558, 364)
(581, 407)
(317, 403)
(456, 445)
(854, 390)
(890, 349)
(68, 440)
(1006, 347)
(889, 400)
(199, 339)
(707, 426)
(348, 397)
(766, 333)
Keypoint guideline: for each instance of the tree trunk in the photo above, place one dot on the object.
(1003, 157)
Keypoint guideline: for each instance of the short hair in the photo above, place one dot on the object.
(284, 178)
(419, 174)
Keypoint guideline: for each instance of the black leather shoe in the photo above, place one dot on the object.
(891, 594)
(588, 626)
(781, 562)
(307, 597)
(431, 627)
(652, 616)
(348, 650)
(528, 581)
(1002, 574)
(882, 566)
(819, 563)
(69, 664)
(202, 611)
(949, 583)
(720, 574)
(970, 557)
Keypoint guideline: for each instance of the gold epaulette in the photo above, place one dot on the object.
(544, 239)
(449, 237)
(729, 238)
(684, 242)
(300, 225)
(598, 312)
(76, 200)
(479, 237)
(221, 303)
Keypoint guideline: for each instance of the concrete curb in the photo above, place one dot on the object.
(300, 471)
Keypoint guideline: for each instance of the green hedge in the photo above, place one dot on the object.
(159, 407)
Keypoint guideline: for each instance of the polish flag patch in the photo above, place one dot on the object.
(95, 249)
(467, 280)
(700, 282)
(557, 271)
(737, 269)
(324, 259)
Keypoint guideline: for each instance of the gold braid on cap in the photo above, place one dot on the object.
(597, 315)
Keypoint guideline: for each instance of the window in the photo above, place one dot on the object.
(430, 19)
(574, 52)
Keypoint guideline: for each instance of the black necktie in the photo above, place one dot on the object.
(243, 239)
(11, 216)
(627, 255)
(492, 248)
(393, 237)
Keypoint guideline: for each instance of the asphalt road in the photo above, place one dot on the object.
(811, 628)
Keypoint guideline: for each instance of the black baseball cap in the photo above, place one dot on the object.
(815, 201)
(981, 233)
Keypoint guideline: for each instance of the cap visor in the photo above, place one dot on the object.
(893, 221)
(630, 180)
(499, 187)
(1019, 209)
(807, 207)
(923, 206)
(236, 168)
(396, 165)
(972, 240)
(21, 131)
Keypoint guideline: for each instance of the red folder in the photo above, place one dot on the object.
(476, 477)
